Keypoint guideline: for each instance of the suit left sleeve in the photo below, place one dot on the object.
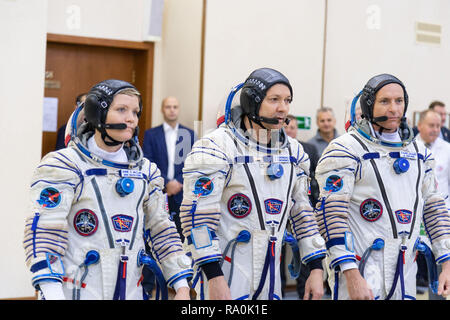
(163, 237)
(436, 216)
(304, 225)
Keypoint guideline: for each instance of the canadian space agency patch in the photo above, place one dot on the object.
(203, 186)
(49, 198)
(122, 223)
(403, 216)
(333, 183)
(239, 205)
(85, 222)
(273, 206)
(371, 210)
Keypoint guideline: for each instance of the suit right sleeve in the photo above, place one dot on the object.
(55, 184)
(336, 174)
(205, 173)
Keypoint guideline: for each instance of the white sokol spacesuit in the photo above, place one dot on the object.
(90, 217)
(238, 198)
(375, 194)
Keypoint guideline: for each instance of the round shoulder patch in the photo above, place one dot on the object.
(333, 183)
(85, 222)
(49, 198)
(203, 186)
(371, 210)
(239, 205)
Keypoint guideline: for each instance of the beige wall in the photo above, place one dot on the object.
(177, 60)
(367, 37)
(244, 35)
(112, 19)
(22, 62)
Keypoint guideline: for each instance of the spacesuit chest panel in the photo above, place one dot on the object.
(104, 212)
(258, 192)
(384, 195)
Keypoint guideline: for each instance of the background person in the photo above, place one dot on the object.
(326, 123)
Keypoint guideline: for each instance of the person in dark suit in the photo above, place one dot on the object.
(60, 135)
(167, 145)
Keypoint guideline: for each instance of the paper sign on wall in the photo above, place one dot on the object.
(50, 115)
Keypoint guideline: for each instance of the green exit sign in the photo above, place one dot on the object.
(304, 122)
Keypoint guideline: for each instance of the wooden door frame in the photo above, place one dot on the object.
(144, 74)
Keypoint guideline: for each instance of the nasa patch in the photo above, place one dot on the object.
(239, 205)
(333, 183)
(122, 223)
(49, 198)
(203, 186)
(273, 206)
(85, 222)
(371, 210)
(403, 216)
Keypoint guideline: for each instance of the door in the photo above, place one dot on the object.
(75, 64)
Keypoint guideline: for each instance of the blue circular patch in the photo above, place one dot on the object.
(85, 222)
(371, 210)
(333, 184)
(49, 197)
(203, 186)
(239, 205)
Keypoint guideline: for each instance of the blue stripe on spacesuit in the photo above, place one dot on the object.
(314, 255)
(443, 258)
(153, 191)
(165, 254)
(437, 212)
(349, 155)
(43, 250)
(73, 166)
(41, 243)
(52, 182)
(304, 210)
(207, 259)
(211, 154)
(160, 240)
(213, 142)
(342, 259)
(341, 145)
(207, 148)
(181, 275)
(69, 165)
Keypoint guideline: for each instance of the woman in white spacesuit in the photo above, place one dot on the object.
(94, 204)
(242, 183)
(377, 185)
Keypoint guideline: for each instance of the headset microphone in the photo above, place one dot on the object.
(269, 120)
(116, 126)
(380, 119)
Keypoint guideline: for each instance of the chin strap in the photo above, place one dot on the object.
(403, 127)
(116, 126)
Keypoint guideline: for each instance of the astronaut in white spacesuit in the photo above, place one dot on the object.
(241, 186)
(94, 204)
(377, 184)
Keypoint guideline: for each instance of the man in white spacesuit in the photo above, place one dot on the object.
(242, 183)
(377, 184)
(94, 204)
